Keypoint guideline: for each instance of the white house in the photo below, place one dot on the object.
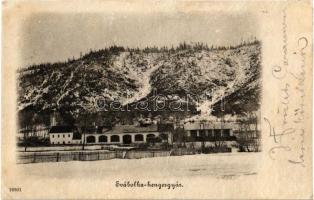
(64, 135)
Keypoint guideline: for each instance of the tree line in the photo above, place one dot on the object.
(114, 50)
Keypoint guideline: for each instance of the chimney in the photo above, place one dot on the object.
(53, 120)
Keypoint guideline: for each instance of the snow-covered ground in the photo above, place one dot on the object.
(222, 165)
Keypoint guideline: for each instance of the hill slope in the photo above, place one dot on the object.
(129, 75)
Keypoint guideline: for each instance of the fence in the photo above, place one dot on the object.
(86, 156)
(182, 151)
(146, 154)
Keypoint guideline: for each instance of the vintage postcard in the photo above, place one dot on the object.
(157, 99)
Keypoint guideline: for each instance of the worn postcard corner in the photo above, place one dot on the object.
(157, 99)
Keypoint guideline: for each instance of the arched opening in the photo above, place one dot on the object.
(102, 138)
(127, 139)
(150, 138)
(90, 139)
(115, 138)
(139, 138)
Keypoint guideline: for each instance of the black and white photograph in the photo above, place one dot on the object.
(113, 98)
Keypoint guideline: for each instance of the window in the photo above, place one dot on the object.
(202, 132)
(58, 135)
(115, 138)
(226, 132)
(69, 142)
(127, 139)
(139, 137)
(102, 138)
(63, 135)
(194, 133)
(53, 136)
(217, 132)
(150, 138)
(90, 139)
(69, 135)
(63, 142)
(52, 142)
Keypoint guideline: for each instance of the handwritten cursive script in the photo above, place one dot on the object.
(288, 133)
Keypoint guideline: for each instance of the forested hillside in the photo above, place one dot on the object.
(131, 75)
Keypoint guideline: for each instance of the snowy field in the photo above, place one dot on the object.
(222, 165)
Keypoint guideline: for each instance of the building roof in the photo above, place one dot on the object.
(133, 129)
(119, 129)
(95, 129)
(210, 125)
(62, 129)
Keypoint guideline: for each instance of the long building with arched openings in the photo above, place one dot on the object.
(120, 134)
(125, 134)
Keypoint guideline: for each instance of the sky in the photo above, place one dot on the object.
(53, 37)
